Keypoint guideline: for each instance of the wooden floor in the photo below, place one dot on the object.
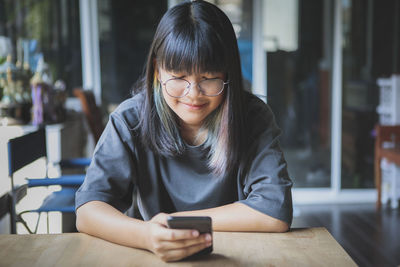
(371, 238)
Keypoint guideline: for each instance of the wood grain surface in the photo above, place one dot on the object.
(299, 247)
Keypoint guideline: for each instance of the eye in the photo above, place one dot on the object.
(179, 75)
(213, 75)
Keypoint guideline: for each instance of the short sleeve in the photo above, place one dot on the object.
(266, 186)
(110, 176)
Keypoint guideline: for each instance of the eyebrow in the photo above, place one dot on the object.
(180, 77)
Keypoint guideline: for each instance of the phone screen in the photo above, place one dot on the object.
(203, 224)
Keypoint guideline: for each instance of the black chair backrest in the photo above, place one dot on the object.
(26, 149)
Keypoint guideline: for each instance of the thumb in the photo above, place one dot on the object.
(161, 218)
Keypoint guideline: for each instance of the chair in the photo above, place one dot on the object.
(92, 112)
(4, 205)
(94, 119)
(24, 150)
(392, 154)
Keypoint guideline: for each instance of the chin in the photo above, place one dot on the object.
(191, 121)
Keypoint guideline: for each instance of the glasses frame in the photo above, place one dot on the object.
(189, 87)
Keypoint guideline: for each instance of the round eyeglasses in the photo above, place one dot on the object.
(177, 87)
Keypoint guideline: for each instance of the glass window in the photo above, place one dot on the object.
(48, 30)
(370, 51)
(297, 40)
(240, 13)
(126, 30)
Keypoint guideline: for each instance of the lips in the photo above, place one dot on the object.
(194, 106)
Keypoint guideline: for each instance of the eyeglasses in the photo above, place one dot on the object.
(177, 87)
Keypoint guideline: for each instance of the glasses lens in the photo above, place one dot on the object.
(180, 87)
(176, 87)
(211, 87)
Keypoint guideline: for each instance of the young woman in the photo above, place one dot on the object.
(191, 141)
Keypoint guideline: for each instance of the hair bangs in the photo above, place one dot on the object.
(192, 51)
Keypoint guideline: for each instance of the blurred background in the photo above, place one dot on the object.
(317, 63)
(329, 69)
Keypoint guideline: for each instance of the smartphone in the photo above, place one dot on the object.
(203, 224)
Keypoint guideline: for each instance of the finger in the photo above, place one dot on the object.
(160, 218)
(185, 243)
(167, 234)
(178, 254)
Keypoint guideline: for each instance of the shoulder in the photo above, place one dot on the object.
(259, 117)
(129, 110)
(257, 111)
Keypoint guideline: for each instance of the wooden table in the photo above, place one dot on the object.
(300, 247)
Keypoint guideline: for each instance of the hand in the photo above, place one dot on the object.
(174, 244)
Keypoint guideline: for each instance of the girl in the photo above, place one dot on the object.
(191, 141)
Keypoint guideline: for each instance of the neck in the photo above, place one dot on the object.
(191, 135)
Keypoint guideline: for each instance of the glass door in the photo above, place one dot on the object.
(126, 30)
(370, 49)
(297, 41)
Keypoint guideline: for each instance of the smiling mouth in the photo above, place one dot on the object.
(194, 106)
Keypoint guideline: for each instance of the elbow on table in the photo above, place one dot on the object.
(79, 222)
(276, 226)
(281, 227)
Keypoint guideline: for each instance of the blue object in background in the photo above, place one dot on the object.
(246, 58)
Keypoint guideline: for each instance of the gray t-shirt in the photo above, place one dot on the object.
(121, 164)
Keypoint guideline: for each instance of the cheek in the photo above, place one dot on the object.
(217, 101)
(170, 100)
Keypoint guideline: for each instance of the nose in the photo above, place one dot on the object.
(194, 90)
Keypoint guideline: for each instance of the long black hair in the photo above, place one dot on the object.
(196, 37)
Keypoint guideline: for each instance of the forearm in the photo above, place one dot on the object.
(239, 217)
(104, 221)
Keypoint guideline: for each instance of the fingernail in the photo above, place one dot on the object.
(208, 237)
(195, 233)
